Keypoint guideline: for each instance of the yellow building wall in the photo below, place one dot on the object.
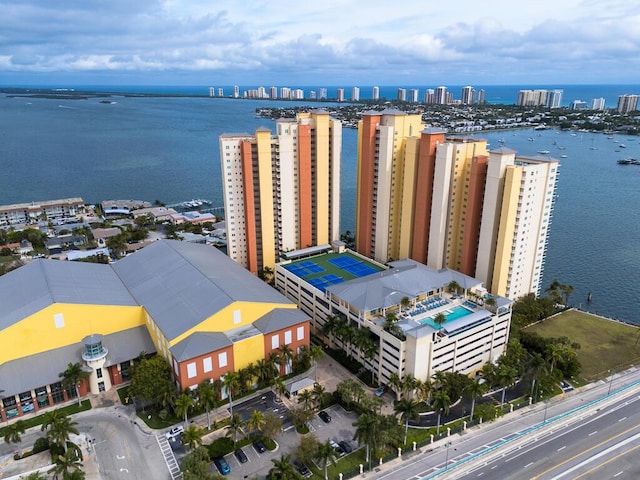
(248, 350)
(408, 197)
(224, 320)
(38, 333)
(265, 172)
(159, 340)
(513, 180)
(321, 122)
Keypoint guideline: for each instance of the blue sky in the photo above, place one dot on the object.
(300, 42)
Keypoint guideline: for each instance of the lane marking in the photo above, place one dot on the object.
(622, 419)
(593, 433)
(528, 465)
(604, 463)
(562, 448)
(618, 474)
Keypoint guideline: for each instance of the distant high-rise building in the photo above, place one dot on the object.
(298, 94)
(532, 98)
(285, 93)
(375, 93)
(313, 95)
(441, 96)
(221, 92)
(413, 95)
(468, 95)
(236, 91)
(212, 91)
(430, 96)
(598, 104)
(402, 95)
(340, 94)
(450, 203)
(554, 98)
(481, 99)
(355, 94)
(322, 94)
(281, 191)
(273, 93)
(627, 103)
(578, 105)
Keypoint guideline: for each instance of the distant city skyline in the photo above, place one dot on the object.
(196, 42)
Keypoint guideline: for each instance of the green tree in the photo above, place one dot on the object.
(66, 463)
(35, 476)
(395, 382)
(308, 448)
(256, 421)
(184, 404)
(286, 357)
(306, 399)
(505, 377)
(441, 404)
(405, 302)
(192, 436)
(207, 399)
(59, 428)
(73, 376)
(231, 382)
(283, 469)
(554, 355)
(316, 354)
(326, 454)
(272, 426)
(535, 368)
(453, 286)
(300, 416)
(366, 432)
(13, 432)
(440, 319)
(236, 425)
(474, 391)
(278, 386)
(318, 394)
(195, 465)
(151, 381)
(408, 410)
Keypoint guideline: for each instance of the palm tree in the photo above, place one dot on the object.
(316, 354)
(231, 381)
(65, 464)
(283, 469)
(318, 394)
(330, 327)
(305, 398)
(408, 409)
(490, 302)
(256, 421)
(207, 399)
(505, 378)
(366, 432)
(286, 355)
(409, 383)
(12, 433)
(184, 404)
(441, 404)
(326, 454)
(567, 290)
(405, 302)
(474, 390)
(553, 354)
(59, 429)
(236, 425)
(192, 436)
(35, 476)
(74, 475)
(424, 390)
(73, 376)
(536, 366)
(440, 319)
(395, 382)
(278, 386)
(453, 286)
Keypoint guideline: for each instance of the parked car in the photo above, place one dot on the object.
(259, 446)
(326, 418)
(302, 469)
(337, 448)
(174, 432)
(345, 446)
(240, 455)
(380, 390)
(222, 465)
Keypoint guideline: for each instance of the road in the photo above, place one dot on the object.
(513, 435)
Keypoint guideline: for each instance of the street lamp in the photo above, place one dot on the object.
(446, 461)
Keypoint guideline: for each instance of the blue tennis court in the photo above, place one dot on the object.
(343, 262)
(333, 278)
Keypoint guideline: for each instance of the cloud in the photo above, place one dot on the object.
(306, 42)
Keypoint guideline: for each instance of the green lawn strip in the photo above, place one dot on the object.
(605, 345)
(37, 420)
(344, 464)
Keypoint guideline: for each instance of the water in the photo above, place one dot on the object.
(167, 149)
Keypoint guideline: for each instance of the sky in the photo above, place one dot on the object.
(332, 42)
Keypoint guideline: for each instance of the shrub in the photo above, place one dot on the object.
(220, 447)
(40, 445)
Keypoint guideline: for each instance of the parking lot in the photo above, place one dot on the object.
(258, 465)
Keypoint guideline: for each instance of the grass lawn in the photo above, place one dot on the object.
(70, 409)
(605, 345)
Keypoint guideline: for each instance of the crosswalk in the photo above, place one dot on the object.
(169, 457)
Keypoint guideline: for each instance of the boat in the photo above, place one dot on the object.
(530, 139)
(544, 152)
(562, 148)
(628, 161)
(564, 156)
(622, 145)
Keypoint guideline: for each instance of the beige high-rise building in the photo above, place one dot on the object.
(282, 190)
(450, 203)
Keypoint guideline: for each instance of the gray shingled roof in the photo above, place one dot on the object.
(181, 284)
(280, 318)
(33, 287)
(199, 343)
(405, 278)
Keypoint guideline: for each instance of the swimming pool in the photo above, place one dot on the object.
(456, 313)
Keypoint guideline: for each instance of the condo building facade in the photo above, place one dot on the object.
(281, 190)
(25, 213)
(334, 282)
(449, 202)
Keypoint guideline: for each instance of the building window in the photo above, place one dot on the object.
(58, 319)
(287, 337)
(99, 372)
(191, 370)
(222, 359)
(237, 314)
(275, 342)
(300, 333)
(101, 386)
(207, 365)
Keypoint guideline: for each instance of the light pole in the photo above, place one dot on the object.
(610, 383)
(446, 461)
